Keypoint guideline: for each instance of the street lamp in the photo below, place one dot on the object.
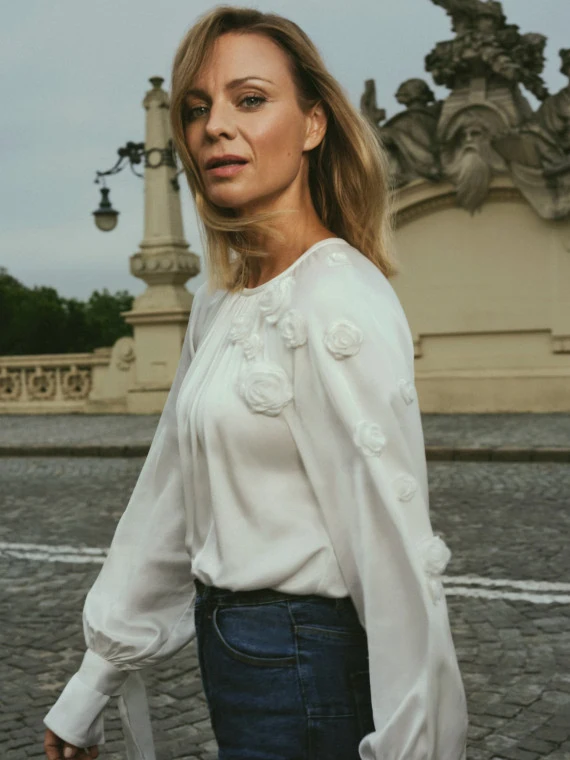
(106, 216)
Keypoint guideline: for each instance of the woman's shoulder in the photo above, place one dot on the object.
(339, 290)
(338, 276)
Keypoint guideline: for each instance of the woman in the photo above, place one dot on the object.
(281, 516)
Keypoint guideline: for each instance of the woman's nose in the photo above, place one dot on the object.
(220, 121)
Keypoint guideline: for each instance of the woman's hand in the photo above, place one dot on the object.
(56, 749)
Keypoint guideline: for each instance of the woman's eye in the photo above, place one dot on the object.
(195, 112)
(191, 113)
(258, 98)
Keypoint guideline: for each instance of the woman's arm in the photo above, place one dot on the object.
(357, 424)
(140, 609)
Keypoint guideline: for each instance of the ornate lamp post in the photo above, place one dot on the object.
(106, 215)
(159, 315)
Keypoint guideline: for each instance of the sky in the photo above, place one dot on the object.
(74, 74)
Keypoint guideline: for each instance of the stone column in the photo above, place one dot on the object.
(159, 315)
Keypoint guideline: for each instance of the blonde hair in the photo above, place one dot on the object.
(348, 170)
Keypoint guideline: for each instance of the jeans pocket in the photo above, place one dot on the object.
(258, 635)
(360, 682)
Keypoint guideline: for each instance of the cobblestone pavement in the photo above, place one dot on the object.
(507, 585)
(69, 429)
(439, 429)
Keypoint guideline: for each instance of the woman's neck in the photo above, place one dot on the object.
(283, 253)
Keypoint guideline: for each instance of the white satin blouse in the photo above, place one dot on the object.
(289, 455)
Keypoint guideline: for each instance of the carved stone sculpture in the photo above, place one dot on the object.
(554, 113)
(485, 127)
(409, 136)
(468, 157)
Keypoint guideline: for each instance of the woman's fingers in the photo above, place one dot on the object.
(56, 749)
(53, 746)
(85, 753)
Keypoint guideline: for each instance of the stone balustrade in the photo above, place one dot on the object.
(57, 383)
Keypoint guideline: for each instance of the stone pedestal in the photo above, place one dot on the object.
(159, 315)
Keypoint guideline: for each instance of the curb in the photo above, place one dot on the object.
(76, 450)
(497, 454)
(433, 453)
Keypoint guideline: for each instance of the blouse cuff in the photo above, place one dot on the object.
(77, 716)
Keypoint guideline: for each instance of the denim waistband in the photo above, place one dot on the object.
(260, 596)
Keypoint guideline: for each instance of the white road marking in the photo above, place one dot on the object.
(50, 549)
(454, 585)
(75, 559)
(477, 580)
(516, 596)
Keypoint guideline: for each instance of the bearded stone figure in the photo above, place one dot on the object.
(469, 160)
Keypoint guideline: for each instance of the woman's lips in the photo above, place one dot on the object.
(228, 170)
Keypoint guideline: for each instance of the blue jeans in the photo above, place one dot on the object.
(285, 676)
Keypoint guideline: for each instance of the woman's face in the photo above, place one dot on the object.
(243, 103)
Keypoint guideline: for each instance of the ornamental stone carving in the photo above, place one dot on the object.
(124, 353)
(41, 384)
(75, 383)
(485, 127)
(170, 266)
(410, 136)
(10, 384)
(56, 382)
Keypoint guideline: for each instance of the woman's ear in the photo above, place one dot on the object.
(316, 126)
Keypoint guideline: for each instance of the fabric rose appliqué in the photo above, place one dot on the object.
(252, 346)
(343, 338)
(435, 556)
(240, 328)
(407, 391)
(369, 438)
(293, 329)
(337, 258)
(275, 299)
(405, 486)
(265, 388)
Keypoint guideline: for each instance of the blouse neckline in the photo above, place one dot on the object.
(290, 268)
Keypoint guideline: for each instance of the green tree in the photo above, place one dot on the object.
(40, 321)
(103, 316)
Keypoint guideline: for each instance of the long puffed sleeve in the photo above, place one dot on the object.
(357, 425)
(140, 608)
